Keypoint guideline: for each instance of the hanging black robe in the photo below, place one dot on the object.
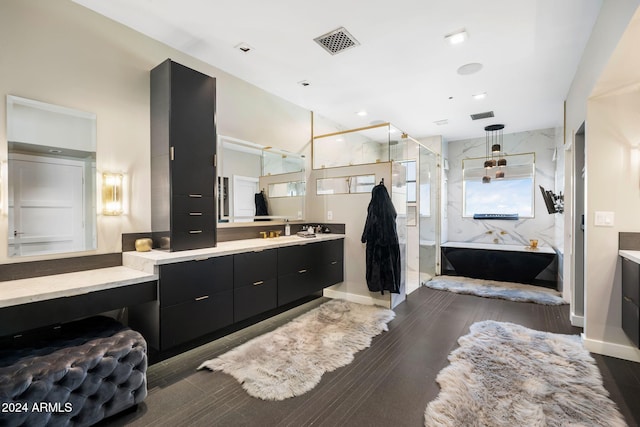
(381, 237)
(261, 206)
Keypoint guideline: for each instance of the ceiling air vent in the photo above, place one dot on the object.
(480, 116)
(337, 41)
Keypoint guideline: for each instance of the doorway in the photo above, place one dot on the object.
(579, 237)
(244, 191)
(46, 205)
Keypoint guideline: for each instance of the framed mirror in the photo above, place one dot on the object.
(257, 182)
(51, 203)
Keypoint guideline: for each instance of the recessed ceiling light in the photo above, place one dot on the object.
(361, 113)
(470, 68)
(482, 95)
(457, 37)
(243, 47)
(339, 139)
(442, 122)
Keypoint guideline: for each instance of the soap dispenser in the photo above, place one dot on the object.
(287, 228)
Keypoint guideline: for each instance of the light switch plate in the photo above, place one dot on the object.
(604, 219)
(329, 215)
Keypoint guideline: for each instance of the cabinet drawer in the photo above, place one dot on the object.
(185, 205)
(190, 223)
(184, 322)
(331, 251)
(294, 286)
(252, 267)
(255, 299)
(186, 281)
(292, 259)
(631, 320)
(192, 239)
(631, 280)
(332, 273)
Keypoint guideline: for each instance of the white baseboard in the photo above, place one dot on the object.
(577, 320)
(619, 351)
(360, 299)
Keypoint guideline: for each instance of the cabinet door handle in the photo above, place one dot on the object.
(334, 262)
(202, 298)
(302, 271)
(195, 213)
(204, 258)
(627, 299)
(195, 231)
(258, 283)
(197, 196)
(171, 153)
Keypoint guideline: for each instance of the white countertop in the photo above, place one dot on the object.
(23, 291)
(147, 261)
(498, 247)
(139, 267)
(630, 255)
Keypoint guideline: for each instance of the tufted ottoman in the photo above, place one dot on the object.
(74, 375)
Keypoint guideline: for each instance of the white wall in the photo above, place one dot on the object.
(613, 184)
(541, 227)
(601, 94)
(61, 53)
(613, 179)
(350, 209)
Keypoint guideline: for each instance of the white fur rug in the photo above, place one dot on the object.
(290, 360)
(495, 289)
(507, 375)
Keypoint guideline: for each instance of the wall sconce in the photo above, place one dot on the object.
(112, 200)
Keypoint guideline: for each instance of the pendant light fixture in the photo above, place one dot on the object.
(494, 153)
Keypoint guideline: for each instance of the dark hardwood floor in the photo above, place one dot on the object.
(388, 384)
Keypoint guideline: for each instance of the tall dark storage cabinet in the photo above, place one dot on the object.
(183, 149)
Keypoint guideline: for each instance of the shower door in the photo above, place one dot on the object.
(429, 213)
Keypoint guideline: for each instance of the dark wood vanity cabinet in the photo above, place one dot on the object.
(631, 300)
(183, 149)
(303, 270)
(255, 284)
(196, 298)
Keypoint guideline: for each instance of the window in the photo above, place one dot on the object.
(410, 166)
(511, 195)
(346, 184)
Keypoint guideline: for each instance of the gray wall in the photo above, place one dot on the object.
(59, 52)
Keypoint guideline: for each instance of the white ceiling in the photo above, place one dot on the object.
(403, 71)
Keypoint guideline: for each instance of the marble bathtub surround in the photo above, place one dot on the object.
(519, 232)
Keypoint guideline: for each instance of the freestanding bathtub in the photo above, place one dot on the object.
(509, 263)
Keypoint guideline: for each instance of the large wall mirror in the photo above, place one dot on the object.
(51, 203)
(257, 183)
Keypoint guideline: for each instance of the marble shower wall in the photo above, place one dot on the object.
(541, 226)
